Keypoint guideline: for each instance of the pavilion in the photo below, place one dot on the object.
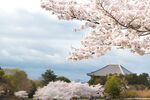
(110, 69)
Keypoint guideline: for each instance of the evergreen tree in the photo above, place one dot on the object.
(48, 76)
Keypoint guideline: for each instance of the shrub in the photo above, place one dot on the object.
(144, 94)
(135, 93)
(130, 93)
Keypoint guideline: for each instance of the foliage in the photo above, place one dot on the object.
(17, 80)
(123, 83)
(113, 23)
(132, 79)
(113, 86)
(127, 79)
(129, 94)
(143, 79)
(97, 80)
(135, 94)
(32, 90)
(21, 94)
(62, 78)
(92, 80)
(48, 76)
(103, 80)
(1, 74)
(66, 91)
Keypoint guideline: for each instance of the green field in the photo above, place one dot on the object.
(32, 99)
(14, 99)
(11, 98)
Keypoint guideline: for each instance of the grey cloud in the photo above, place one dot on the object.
(24, 24)
(34, 42)
(25, 33)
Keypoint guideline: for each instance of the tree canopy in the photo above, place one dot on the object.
(113, 23)
(48, 76)
(97, 80)
(1, 74)
(113, 86)
(62, 78)
(16, 79)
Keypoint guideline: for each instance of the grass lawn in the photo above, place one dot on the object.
(88, 99)
(14, 99)
(101, 99)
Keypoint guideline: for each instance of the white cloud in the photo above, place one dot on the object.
(22, 54)
(4, 53)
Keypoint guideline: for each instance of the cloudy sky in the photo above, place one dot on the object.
(33, 40)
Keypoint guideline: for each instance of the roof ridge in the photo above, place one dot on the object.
(111, 68)
(121, 69)
(126, 69)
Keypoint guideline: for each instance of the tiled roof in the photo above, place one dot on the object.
(110, 69)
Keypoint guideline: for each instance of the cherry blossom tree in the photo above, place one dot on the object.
(65, 91)
(112, 23)
(1, 90)
(21, 94)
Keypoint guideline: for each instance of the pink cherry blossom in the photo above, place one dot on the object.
(65, 91)
(112, 23)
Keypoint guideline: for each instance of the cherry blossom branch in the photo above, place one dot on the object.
(128, 25)
(113, 23)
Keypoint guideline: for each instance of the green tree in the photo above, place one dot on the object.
(124, 82)
(91, 81)
(132, 79)
(143, 79)
(17, 80)
(1, 74)
(97, 80)
(62, 78)
(103, 80)
(113, 86)
(32, 90)
(48, 76)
